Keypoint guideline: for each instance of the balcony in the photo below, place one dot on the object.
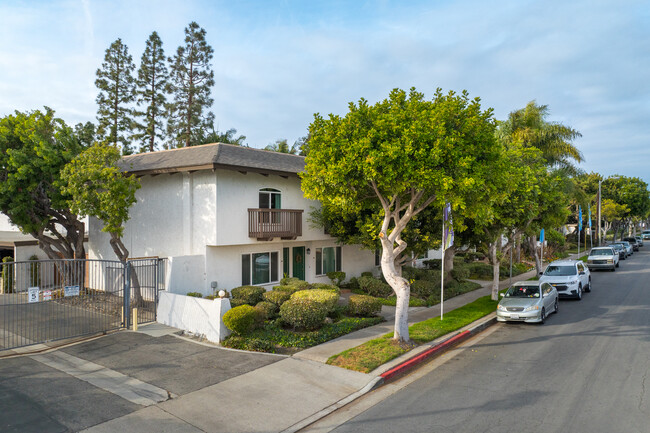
(266, 224)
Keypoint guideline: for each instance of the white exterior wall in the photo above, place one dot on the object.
(174, 216)
(224, 264)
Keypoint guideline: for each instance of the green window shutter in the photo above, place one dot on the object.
(245, 269)
(338, 259)
(329, 260)
(285, 261)
(274, 266)
(319, 261)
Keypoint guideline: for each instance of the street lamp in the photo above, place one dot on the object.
(599, 202)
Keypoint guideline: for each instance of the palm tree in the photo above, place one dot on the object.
(529, 127)
(283, 147)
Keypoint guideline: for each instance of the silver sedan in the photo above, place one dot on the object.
(527, 301)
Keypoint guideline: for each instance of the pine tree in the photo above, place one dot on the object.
(191, 81)
(151, 93)
(116, 86)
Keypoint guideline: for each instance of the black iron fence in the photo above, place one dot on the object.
(47, 300)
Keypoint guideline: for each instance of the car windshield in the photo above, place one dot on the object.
(601, 252)
(523, 292)
(560, 271)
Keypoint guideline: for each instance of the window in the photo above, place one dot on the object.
(270, 198)
(328, 259)
(259, 268)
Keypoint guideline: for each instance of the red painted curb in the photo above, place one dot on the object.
(418, 359)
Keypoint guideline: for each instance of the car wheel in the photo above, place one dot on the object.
(588, 288)
(614, 269)
(542, 316)
(557, 305)
(618, 264)
(579, 295)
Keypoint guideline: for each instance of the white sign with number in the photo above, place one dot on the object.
(32, 294)
(47, 295)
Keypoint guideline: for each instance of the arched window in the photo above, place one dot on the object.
(270, 198)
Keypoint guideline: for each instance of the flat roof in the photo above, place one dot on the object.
(211, 157)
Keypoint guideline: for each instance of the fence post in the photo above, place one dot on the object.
(127, 294)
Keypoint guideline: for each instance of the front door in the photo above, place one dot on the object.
(299, 262)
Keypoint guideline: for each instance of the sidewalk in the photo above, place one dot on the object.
(290, 394)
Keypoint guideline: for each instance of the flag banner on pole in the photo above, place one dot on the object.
(541, 236)
(579, 217)
(448, 234)
(589, 212)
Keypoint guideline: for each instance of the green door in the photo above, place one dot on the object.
(299, 262)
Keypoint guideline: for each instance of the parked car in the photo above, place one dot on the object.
(569, 277)
(528, 301)
(621, 250)
(627, 248)
(632, 241)
(646, 234)
(603, 258)
(639, 240)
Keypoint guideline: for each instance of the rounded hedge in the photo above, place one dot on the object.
(266, 310)
(303, 313)
(241, 320)
(323, 286)
(375, 287)
(328, 298)
(423, 288)
(277, 297)
(250, 295)
(288, 289)
(364, 306)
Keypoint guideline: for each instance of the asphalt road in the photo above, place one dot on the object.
(585, 370)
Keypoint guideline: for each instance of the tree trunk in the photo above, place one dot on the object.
(123, 254)
(494, 261)
(536, 253)
(518, 250)
(402, 290)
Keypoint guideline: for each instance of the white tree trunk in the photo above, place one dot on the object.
(492, 253)
(402, 290)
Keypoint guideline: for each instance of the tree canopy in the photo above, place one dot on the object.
(381, 165)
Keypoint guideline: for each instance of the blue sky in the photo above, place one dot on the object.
(277, 63)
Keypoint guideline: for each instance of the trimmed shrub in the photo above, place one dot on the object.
(460, 273)
(7, 275)
(326, 297)
(336, 277)
(277, 297)
(364, 306)
(195, 294)
(287, 289)
(241, 320)
(323, 286)
(435, 264)
(303, 313)
(366, 274)
(266, 310)
(353, 284)
(250, 295)
(289, 281)
(374, 287)
(423, 289)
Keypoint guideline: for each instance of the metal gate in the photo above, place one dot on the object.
(47, 300)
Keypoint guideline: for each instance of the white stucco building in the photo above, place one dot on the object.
(227, 214)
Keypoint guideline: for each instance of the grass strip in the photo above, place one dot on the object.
(373, 353)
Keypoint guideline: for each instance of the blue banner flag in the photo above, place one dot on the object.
(541, 236)
(579, 217)
(448, 234)
(589, 211)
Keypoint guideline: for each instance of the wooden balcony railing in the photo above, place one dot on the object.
(266, 224)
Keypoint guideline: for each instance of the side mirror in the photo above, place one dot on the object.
(582, 272)
(541, 273)
(501, 295)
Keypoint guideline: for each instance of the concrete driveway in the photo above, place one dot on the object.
(86, 384)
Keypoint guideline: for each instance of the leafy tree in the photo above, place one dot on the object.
(228, 137)
(282, 146)
(631, 192)
(34, 147)
(86, 133)
(613, 213)
(97, 187)
(390, 161)
(151, 87)
(191, 81)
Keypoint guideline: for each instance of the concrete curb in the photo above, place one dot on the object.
(437, 348)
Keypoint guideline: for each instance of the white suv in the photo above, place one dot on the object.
(569, 277)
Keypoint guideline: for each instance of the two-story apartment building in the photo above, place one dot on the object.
(227, 214)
